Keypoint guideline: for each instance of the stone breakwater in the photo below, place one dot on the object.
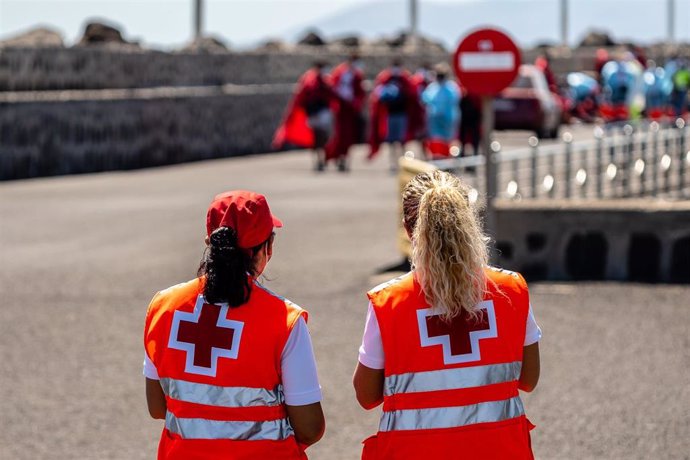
(88, 109)
(79, 110)
(41, 69)
(98, 67)
(80, 132)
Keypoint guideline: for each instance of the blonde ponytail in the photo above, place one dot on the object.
(449, 252)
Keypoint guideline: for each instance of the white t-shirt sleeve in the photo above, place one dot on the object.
(150, 371)
(300, 380)
(533, 331)
(371, 350)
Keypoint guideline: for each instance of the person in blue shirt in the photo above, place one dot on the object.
(442, 102)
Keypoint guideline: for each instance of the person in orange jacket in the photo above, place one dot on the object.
(447, 346)
(229, 365)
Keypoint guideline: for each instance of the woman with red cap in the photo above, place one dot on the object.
(229, 365)
(447, 346)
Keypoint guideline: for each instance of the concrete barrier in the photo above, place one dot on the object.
(636, 240)
(645, 240)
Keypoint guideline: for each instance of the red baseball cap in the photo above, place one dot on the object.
(244, 211)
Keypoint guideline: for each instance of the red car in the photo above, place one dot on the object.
(528, 104)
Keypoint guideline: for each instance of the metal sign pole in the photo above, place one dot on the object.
(486, 61)
(490, 167)
(670, 21)
(564, 22)
(198, 14)
(413, 24)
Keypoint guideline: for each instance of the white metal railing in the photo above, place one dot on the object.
(634, 159)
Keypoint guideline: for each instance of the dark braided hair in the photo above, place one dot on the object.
(226, 267)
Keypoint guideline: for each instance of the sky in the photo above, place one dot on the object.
(167, 24)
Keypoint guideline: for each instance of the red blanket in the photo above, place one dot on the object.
(347, 113)
(294, 129)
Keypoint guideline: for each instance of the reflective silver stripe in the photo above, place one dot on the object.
(199, 428)
(213, 395)
(452, 379)
(451, 417)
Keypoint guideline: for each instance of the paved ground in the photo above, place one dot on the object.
(80, 258)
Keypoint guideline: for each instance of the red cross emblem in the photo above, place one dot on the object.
(459, 339)
(205, 335)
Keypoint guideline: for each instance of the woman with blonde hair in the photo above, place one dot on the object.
(447, 346)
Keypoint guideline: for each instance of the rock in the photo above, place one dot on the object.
(99, 33)
(398, 41)
(35, 38)
(208, 44)
(311, 39)
(349, 41)
(378, 43)
(273, 45)
(431, 45)
(597, 38)
(545, 45)
(404, 41)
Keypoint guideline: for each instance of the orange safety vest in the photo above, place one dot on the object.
(451, 390)
(219, 368)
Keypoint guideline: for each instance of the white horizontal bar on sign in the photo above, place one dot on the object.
(487, 61)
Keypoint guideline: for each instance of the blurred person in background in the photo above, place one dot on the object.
(543, 63)
(583, 90)
(396, 112)
(229, 365)
(636, 95)
(681, 85)
(639, 54)
(441, 100)
(619, 82)
(447, 346)
(470, 122)
(421, 79)
(657, 91)
(347, 81)
(308, 122)
(600, 60)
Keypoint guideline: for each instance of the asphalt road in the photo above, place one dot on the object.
(80, 258)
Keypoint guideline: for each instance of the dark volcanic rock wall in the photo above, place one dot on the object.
(51, 138)
(40, 69)
(87, 109)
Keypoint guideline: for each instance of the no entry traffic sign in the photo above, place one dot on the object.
(486, 62)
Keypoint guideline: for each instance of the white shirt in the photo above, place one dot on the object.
(300, 380)
(344, 88)
(371, 351)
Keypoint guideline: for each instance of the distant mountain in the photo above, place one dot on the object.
(529, 21)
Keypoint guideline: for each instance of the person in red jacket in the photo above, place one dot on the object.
(543, 63)
(308, 122)
(470, 122)
(447, 346)
(347, 79)
(396, 112)
(229, 365)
